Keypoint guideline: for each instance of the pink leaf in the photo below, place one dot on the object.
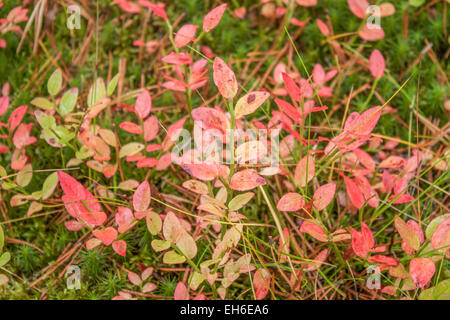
(358, 7)
(134, 278)
(354, 193)
(371, 34)
(314, 230)
(224, 79)
(441, 236)
(142, 197)
(185, 35)
(291, 202)
(377, 64)
(120, 247)
(16, 117)
(261, 282)
(246, 180)
(306, 3)
(143, 104)
(181, 292)
(421, 271)
(323, 196)
(130, 127)
(107, 236)
(292, 88)
(151, 127)
(157, 8)
(304, 171)
(323, 27)
(213, 17)
(318, 260)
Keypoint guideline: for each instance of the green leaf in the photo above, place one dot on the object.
(55, 82)
(240, 200)
(426, 294)
(130, 149)
(416, 3)
(4, 258)
(2, 238)
(434, 224)
(187, 245)
(42, 103)
(171, 257)
(68, 101)
(49, 185)
(97, 92)
(160, 245)
(2, 171)
(442, 290)
(112, 85)
(24, 176)
(154, 222)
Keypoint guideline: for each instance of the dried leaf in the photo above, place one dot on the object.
(249, 103)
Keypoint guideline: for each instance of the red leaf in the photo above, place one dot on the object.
(75, 193)
(22, 136)
(371, 34)
(224, 79)
(147, 163)
(142, 197)
(362, 242)
(157, 9)
(120, 247)
(290, 110)
(380, 259)
(181, 292)
(185, 35)
(261, 282)
(107, 236)
(323, 27)
(130, 127)
(16, 117)
(306, 3)
(358, 7)
(4, 104)
(421, 271)
(151, 127)
(365, 159)
(246, 180)
(388, 181)
(318, 260)
(211, 118)
(212, 18)
(367, 121)
(314, 230)
(292, 88)
(178, 58)
(377, 64)
(370, 195)
(323, 196)
(291, 202)
(143, 104)
(354, 193)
